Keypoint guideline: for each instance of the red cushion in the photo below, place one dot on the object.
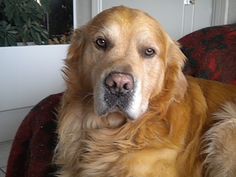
(211, 53)
(35, 140)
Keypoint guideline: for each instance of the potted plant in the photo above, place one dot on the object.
(22, 21)
(8, 34)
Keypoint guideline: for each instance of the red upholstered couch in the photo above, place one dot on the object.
(211, 54)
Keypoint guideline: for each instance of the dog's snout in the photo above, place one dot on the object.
(119, 83)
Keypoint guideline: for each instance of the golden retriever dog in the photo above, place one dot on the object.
(129, 111)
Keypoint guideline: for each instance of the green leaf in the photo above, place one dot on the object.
(44, 34)
(39, 39)
(8, 34)
(33, 35)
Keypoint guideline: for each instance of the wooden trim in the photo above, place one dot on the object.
(75, 14)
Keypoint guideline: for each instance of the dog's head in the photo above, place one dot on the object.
(123, 58)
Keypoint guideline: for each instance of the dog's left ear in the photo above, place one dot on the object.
(175, 56)
(175, 81)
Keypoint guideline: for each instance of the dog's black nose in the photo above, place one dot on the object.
(119, 83)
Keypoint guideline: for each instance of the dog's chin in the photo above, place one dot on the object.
(131, 105)
(120, 111)
(107, 111)
(129, 114)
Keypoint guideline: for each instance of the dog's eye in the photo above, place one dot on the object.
(149, 52)
(101, 43)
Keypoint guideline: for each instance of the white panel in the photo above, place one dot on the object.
(28, 74)
(202, 14)
(188, 16)
(10, 121)
(96, 7)
(232, 12)
(83, 12)
(219, 12)
(168, 13)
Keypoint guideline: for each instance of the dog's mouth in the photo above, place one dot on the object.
(118, 93)
(117, 101)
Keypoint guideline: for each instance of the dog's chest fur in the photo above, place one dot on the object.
(128, 151)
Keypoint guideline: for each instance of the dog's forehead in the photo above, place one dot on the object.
(120, 14)
(126, 24)
(123, 19)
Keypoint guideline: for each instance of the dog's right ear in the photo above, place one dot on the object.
(76, 45)
(75, 53)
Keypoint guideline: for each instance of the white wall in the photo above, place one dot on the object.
(83, 12)
(224, 12)
(27, 74)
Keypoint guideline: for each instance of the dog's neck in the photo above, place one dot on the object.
(110, 121)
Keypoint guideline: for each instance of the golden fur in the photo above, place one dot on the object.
(165, 136)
